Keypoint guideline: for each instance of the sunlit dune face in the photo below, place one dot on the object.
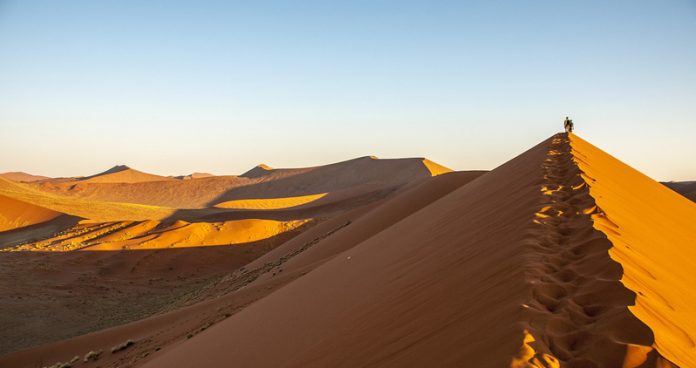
(16, 214)
(653, 232)
(270, 203)
(134, 235)
(89, 209)
(526, 356)
(435, 169)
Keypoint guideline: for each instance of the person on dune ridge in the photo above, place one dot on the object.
(568, 125)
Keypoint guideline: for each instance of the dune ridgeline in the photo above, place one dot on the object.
(561, 257)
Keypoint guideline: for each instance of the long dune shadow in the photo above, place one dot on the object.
(37, 231)
(51, 296)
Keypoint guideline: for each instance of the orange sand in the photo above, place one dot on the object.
(561, 257)
(435, 168)
(16, 214)
(133, 235)
(270, 203)
(653, 230)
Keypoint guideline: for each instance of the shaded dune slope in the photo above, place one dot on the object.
(358, 174)
(442, 287)
(257, 279)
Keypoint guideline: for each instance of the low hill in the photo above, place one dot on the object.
(22, 177)
(123, 174)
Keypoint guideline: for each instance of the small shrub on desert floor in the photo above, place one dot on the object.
(122, 346)
(92, 356)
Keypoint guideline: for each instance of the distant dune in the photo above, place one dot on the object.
(195, 175)
(258, 171)
(359, 176)
(561, 257)
(123, 174)
(22, 177)
(685, 188)
(16, 214)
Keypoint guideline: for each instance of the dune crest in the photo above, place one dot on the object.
(653, 232)
(257, 171)
(123, 174)
(578, 311)
(435, 168)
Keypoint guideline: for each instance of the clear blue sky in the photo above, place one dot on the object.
(172, 87)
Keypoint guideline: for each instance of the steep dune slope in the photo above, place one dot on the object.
(505, 271)
(653, 232)
(357, 226)
(15, 214)
(442, 287)
(363, 172)
(561, 257)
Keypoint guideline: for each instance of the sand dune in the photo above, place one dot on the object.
(22, 177)
(16, 214)
(359, 175)
(123, 174)
(544, 292)
(258, 171)
(88, 209)
(402, 296)
(367, 220)
(653, 233)
(352, 174)
(561, 257)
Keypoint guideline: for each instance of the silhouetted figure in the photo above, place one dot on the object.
(568, 125)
